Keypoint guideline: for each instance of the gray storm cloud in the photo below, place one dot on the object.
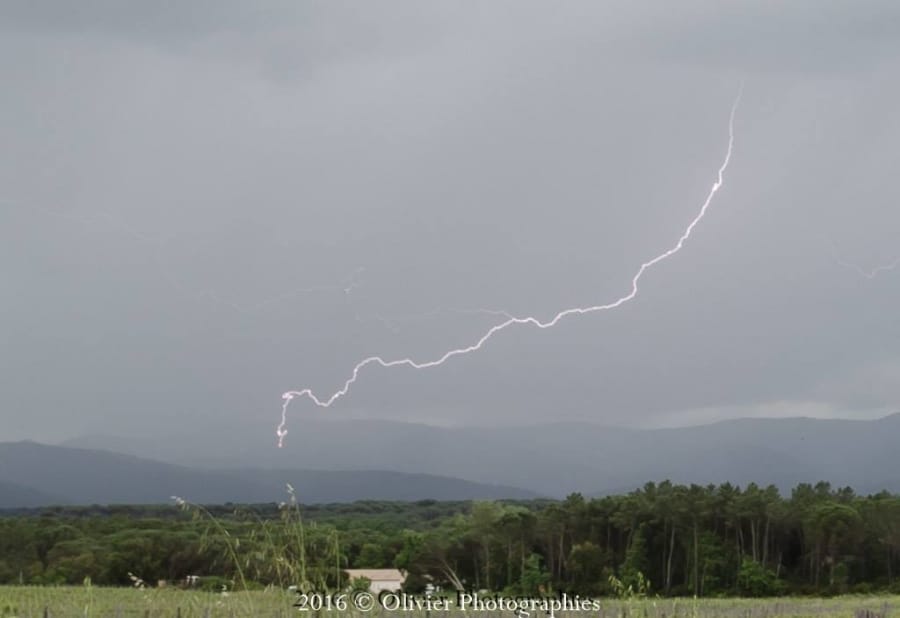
(206, 205)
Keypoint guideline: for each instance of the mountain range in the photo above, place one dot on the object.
(33, 474)
(337, 461)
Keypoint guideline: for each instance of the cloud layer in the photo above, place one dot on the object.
(207, 205)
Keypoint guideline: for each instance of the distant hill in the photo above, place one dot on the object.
(13, 495)
(34, 474)
(559, 458)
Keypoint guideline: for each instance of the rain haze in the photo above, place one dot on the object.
(206, 204)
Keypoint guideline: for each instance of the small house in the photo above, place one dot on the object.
(379, 579)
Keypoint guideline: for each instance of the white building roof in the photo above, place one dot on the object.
(394, 575)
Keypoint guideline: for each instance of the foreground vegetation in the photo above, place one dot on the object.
(91, 602)
(686, 540)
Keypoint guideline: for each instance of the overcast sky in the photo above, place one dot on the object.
(204, 204)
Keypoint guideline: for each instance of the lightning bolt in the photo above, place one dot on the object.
(325, 402)
(390, 322)
(159, 243)
(868, 274)
(351, 284)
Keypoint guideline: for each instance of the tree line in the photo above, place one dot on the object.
(664, 538)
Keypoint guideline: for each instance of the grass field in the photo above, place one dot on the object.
(37, 602)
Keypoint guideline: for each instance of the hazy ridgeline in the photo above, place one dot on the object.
(549, 460)
(686, 540)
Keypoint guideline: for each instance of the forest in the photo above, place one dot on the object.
(665, 539)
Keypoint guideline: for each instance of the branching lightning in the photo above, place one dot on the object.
(325, 402)
(350, 284)
(159, 243)
(391, 322)
(868, 274)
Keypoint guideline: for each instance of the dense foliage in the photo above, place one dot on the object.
(684, 540)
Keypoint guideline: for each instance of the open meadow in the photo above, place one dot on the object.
(73, 601)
